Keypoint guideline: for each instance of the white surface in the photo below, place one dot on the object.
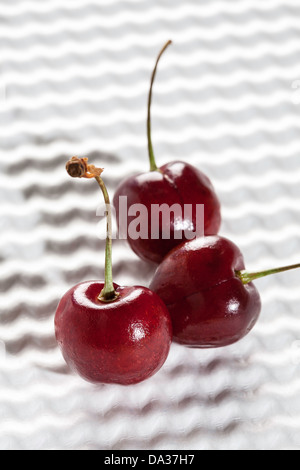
(74, 80)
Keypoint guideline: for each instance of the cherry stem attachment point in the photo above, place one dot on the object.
(79, 168)
(153, 166)
(250, 277)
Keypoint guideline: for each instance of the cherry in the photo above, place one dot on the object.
(211, 298)
(108, 333)
(174, 183)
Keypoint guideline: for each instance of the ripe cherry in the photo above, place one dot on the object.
(174, 183)
(211, 298)
(108, 333)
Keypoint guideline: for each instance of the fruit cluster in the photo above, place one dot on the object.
(200, 296)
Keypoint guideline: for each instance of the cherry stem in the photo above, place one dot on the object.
(250, 277)
(153, 166)
(108, 293)
(79, 168)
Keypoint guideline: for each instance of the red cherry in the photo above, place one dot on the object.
(174, 183)
(211, 299)
(208, 303)
(122, 342)
(107, 333)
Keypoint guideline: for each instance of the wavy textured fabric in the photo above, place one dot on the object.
(74, 81)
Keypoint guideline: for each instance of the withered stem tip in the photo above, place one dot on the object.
(79, 168)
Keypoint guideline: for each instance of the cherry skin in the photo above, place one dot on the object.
(122, 342)
(174, 183)
(200, 282)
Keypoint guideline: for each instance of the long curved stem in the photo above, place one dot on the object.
(153, 166)
(250, 277)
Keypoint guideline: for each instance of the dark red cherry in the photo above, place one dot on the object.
(122, 342)
(208, 302)
(108, 333)
(211, 298)
(174, 183)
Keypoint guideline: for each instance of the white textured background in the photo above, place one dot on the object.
(74, 80)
